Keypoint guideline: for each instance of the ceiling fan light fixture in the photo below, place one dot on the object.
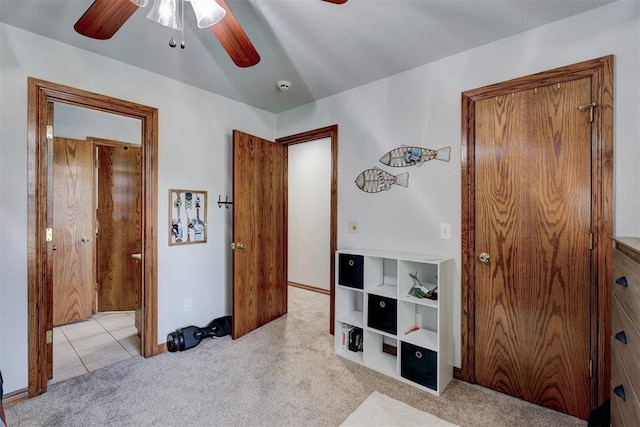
(140, 3)
(208, 12)
(165, 12)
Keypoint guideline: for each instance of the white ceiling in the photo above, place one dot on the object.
(322, 48)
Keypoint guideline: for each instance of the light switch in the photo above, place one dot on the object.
(445, 230)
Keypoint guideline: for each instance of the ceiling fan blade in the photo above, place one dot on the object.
(104, 18)
(234, 40)
(336, 1)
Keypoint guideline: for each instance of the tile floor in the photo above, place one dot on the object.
(88, 345)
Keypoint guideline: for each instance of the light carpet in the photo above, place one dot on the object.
(379, 410)
(283, 374)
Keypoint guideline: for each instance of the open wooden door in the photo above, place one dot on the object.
(259, 232)
(73, 231)
(119, 214)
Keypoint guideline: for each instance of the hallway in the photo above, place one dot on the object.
(88, 345)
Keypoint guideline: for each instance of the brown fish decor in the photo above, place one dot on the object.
(414, 156)
(376, 180)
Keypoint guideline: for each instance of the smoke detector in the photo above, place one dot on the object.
(283, 85)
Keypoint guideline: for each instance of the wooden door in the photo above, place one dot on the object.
(119, 227)
(73, 231)
(533, 218)
(259, 233)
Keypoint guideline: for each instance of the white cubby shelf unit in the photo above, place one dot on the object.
(405, 337)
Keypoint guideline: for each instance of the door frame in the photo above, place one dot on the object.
(600, 71)
(313, 135)
(41, 95)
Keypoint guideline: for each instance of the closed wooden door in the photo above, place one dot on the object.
(119, 227)
(259, 233)
(533, 221)
(73, 231)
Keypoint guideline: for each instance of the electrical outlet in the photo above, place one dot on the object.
(187, 304)
(352, 226)
(445, 230)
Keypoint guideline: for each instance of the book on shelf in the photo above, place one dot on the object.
(345, 336)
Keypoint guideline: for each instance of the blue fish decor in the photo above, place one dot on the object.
(376, 180)
(414, 156)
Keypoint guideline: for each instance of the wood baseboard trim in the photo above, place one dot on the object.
(457, 374)
(15, 397)
(310, 288)
(161, 348)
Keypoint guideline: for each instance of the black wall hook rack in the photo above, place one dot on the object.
(226, 201)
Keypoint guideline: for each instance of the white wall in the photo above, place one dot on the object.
(422, 107)
(194, 152)
(79, 123)
(309, 216)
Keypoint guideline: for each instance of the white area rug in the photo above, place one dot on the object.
(381, 410)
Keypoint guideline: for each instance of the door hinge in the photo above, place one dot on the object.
(591, 241)
(49, 336)
(590, 107)
(590, 368)
(49, 131)
(49, 235)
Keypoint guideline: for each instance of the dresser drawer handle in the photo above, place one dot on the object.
(622, 281)
(622, 337)
(619, 391)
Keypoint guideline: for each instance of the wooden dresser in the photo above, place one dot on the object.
(625, 333)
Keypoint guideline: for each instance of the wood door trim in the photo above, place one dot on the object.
(40, 95)
(600, 70)
(312, 135)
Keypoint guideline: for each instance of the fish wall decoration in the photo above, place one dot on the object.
(406, 155)
(375, 180)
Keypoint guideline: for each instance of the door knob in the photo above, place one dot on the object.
(238, 245)
(484, 257)
(85, 239)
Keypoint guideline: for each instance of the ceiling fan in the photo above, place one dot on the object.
(105, 17)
